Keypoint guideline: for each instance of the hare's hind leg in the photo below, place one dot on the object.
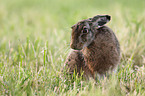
(98, 76)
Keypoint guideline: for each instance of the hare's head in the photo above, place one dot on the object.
(83, 33)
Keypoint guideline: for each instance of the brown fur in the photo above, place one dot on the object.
(99, 56)
(75, 61)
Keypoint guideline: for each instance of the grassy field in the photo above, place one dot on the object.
(34, 43)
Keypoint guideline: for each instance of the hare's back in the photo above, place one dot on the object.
(105, 36)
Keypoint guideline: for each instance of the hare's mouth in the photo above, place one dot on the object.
(75, 47)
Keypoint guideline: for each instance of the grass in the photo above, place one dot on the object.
(34, 43)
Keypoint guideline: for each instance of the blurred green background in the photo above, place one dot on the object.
(50, 20)
(39, 18)
(34, 43)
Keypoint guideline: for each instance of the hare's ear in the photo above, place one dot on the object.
(100, 20)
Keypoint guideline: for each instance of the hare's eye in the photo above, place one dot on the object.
(85, 30)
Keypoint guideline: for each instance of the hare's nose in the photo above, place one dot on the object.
(73, 46)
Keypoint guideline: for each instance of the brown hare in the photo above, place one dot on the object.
(96, 50)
